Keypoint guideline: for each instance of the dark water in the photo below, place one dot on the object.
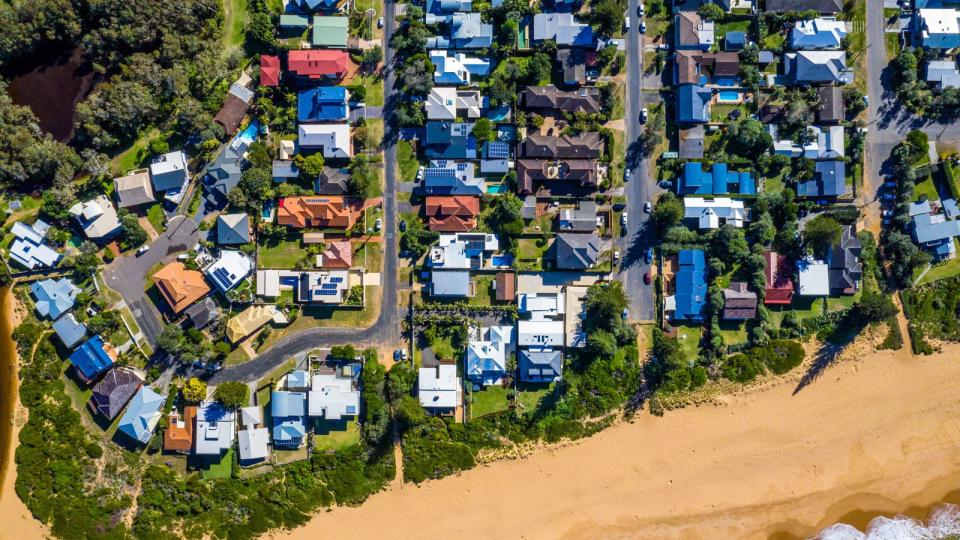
(53, 89)
(8, 382)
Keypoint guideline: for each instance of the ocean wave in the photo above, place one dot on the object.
(943, 522)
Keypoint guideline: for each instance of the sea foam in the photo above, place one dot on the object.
(943, 521)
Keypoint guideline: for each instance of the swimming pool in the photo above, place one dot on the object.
(501, 260)
(496, 188)
(729, 96)
(726, 81)
(247, 136)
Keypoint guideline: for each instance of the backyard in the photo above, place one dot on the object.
(530, 253)
(490, 400)
(333, 435)
(689, 337)
(407, 160)
(283, 254)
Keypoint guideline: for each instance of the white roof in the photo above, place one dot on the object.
(814, 277)
(251, 416)
(332, 397)
(28, 249)
(253, 443)
(334, 138)
(821, 33)
(442, 103)
(493, 347)
(268, 283)
(437, 386)
(541, 306)
(216, 426)
(169, 162)
(540, 333)
(940, 21)
(97, 216)
(830, 142)
(455, 251)
(943, 72)
(708, 213)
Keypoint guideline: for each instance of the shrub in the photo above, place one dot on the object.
(780, 356)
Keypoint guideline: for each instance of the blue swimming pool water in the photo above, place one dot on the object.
(502, 260)
(497, 188)
(247, 136)
(729, 95)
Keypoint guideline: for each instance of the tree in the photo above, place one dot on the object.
(820, 233)
(748, 137)
(609, 17)
(233, 394)
(311, 167)
(371, 57)
(133, 233)
(667, 212)
(604, 303)
(343, 352)
(729, 244)
(711, 12)
(195, 390)
(364, 181)
(483, 130)
(171, 339)
(86, 262)
(875, 307)
(415, 76)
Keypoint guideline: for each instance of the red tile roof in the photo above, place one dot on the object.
(776, 273)
(321, 211)
(319, 64)
(452, 214)
(269, 70)
(339, 254)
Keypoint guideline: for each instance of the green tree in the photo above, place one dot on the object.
(311, 167)
(711, 12)
(820, 233)
(86, 262)
(608, 16)
(194, 390)
(875, 306)
(483, 130)
(233, 394)
(171, 339)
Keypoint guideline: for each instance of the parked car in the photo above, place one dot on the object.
(626, 175)
(623, 220)
(866, 100)
(643, 115)
(624, 313)
(666, 184)
(647, 278)
(890, 185)
(643, 27)
(886, 213)
(647, 207)
(640, 10)
(142, 250)
(616, 255)
(420, 172)
(403, 225)
(380, 22)
(626, 21)
(396, 355)
(648, 255)
(378, 224)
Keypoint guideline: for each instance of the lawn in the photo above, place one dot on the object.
(156, 217)
(773, 41)
(374, 132)
(332, 316)
(945, 269)
(484, 294)
(617, 109)
(407, 160)
(370, 256)
(720, 112)
(733, 332)
(775, 184)
(364, 5)
(136, 155)
(490, 400)
(689, 338)
(335, 434)
(805, 307)
(926, 187)
(374, 89)
(617, 164)
(443, 347)
(285, 254)
(529, 395)
(236, 356)
(530, 255)
(732, 26)
(892, 42)
(543, 223)
(218, 470)
(234, 20)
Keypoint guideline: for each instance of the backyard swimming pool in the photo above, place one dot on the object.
(501, 260)
(247, 136)
(728, 96)
(726, 81)
(496, 188)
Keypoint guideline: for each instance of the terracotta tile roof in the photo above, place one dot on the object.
(319, 64)
(180, 287)
(178, 437)
(506, 286)
(326, 211)
(339, 254)
(776, 273)
(452, 214)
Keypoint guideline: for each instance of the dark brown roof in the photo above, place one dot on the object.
(506, 286)
(831, 104)
(585, 146)
(232, 113)
(550, 97)
(691, 65)
(112, 393)
(687, 24)
(739, 302)
(580, 172)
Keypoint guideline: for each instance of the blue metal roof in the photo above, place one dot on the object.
(691, 286)
(53, 297)
(322, 103)
(91, 359)
(717, 181)
(693, 104)
(69, 330)
(828, 180)
(141, 416)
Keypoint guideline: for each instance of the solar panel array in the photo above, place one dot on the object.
(336, 279)
(498, 150)
(222, 277)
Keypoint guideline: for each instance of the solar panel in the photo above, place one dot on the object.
(497, 150)
(336, 279)
(327, 292)
(329, 286)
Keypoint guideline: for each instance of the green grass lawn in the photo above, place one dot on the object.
(234, 20)
(484, 294)
(374, 90)
(136, 154)
(407, 160)
(236, 356)
(689, 338)
(926, 187)
(285, 254)
(775, 184)
(529, 395)
(332, 316)
(732, 26)
(218, 469)
(443, 347)
(490, 400)
(774, 40)
(720, 112)
(531, 255)
(941, 270)
(840, 303)
(374, 132)
(892, 42)
(806, 308)
(370, 256)
(156, 217)
(733, 332)
(617, 165)
(364, 5)
(335, 434)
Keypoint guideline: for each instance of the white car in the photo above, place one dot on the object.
(643, 115)
(616, 255)
(380, 22)
(420, 172)
(378, 224)
(142, 250)
(623, 219)
(626, 175)
(647, 207)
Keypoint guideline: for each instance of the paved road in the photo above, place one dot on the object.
(127, 274)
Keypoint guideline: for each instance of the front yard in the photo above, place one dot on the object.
(283, 254)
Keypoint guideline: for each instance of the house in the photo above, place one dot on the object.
(540, 365)
(318, 64)
(447, 103)
(324, 212)
(233, 229)
(467, 31)
(229, 270)
(324, 287)
(114, 391)
(576, 251)
(832, 109)
(548, 99)
(251, 417)
(735, 41)
(934, 232)
(506, 286)
(461, 251)
(169, 171)
(717, 181)
(826, 7)
(577, 66)
(540, 333)
(334, 396)
(337, 254)
(178, 436)
(323, 104)
(451, 284)
(180, 286)
(693, 104)
(234, 108)
(698, 67)
(249, 321)
(448, 177)
(449, 140)
(324, 6)
(820, 143)
(690, 287)
(495, 158)
(806, 68)
(564, 177)
(814, 277)
(452, 214)
(253, 445)
(457, 68)
(289, 411)
(53, 297)
(843, 261)
(225, 173)
(270, 69)
(541, 306)
(692, 32)
(28, 248)
(69, 330)
(487, 356)
(588, 145)
(943, 74)
(776, 274)
(216, 428)
(563, 29)
(828, 181)
(291, 24)
(329, 32)
(820, 33)
(690, 142)
(712, 213)
(142, 415)
(133, 189)
(203, 313)
(739, 302)
(92, 359)
(439, 7)
(582, 219)
(97, 218)
(282, 170)
(333, 140)
(332, 181)
(939, 28)
(439, 388)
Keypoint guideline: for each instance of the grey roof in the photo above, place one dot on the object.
(332, 181)
(529, 209)
(467, 31)
(226, 172)
(450, 283)
(284, 168)
(829, 180)
(203, 312)
(831, 104)
(926, 231)
(540, 365)
(233, 229)
(919, 207)
(845, 268)
(821, 6)
(69, 330)
(950, 208)
(577, 251)
(134, 188)
(812, 67)
(583, 218)
(691, 142)
(573, 64)
(114, 391)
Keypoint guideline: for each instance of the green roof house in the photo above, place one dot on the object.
(329, 32)
(289, 21)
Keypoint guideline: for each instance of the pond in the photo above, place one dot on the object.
(53, 89)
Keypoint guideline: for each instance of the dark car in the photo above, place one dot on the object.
(648, 255)
(646, 278)
(403, 226)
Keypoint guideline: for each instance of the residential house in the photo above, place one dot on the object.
(717, 181)
(451, 284)
(697, 67)
(564, 29)
(939, 28)
(832, 109)
(180, 286)
(692, 32)
(337, 254)
(934, 233)
(942, 74)
(549, 99)
(467, 31)
(332, 181)
(739, 302)
(779, 285)
(452, 214)
(826, 7)
(69, 330)
(563, 177)
(318, 65)
(284, 169)
(328, 287)
(334, 396)
(233, 229)
(506, 286)
(462, 251)
(447, 103)
(820, 33)
(97, 217)
(821, 143)
(225, 173)
(577, 66)
(234, 108)
(690, 287)
(179, 434)
(329, 32)
(142, 415)
(288, 410)
(448, 177)
(291, 25)
(843, 260)
(813, 277)
(693, 104)
(587, 145)
(133, 189)
(439, 7)
(576, 251)
(53, 297)
(582, 219)
(253, 445)
(540, 365)
(449, 140)
(495, 158)
(457, 68)
(333, 140)
(322, 212)
(229, 270)
(438, 388)
(487, 355)
(828, 181)
(323, 104)
(806, 68)
(114, 391)
(169, 172)
(92, 359)
(712, 213)
(270, 70)
(249, 321)
(28, 248)
(735, 41)
(690, 142)
(216, 429)
(324, 6)
(202, 313)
